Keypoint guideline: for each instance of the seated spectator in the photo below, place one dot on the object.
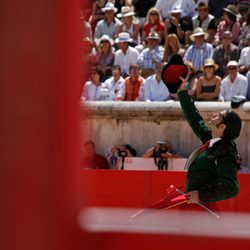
(154, 88)
(205, 20)
(92, 90)
(245, 30)
(151, 55)
(177, 25)
(234, 84)
(115, 85)
(97, 13)
(104, 55)
(244, 62)
(161, 148)
(200, 50)
(134, 84)
(91, 159)
(230, 22)
(225, 52)
(118, 151)
(129, 25)
(208, 86)
(153, 23)
(126, 55)
(165, 7)
(109, 25)
(172, 47)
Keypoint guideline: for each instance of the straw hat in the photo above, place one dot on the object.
(198, 32)
(153, 35)
(190, 65)
(105, 38)
(227, 34)
(176, 10)
(123, 37)
(233, 10)
(126, 11)
(109, 6)
(232, 64)
(202, 6)
(210, 62)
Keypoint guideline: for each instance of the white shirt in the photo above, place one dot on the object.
(245, 56)
(154, 90)
(125, 60)
(165, 6)
(116, 89)
(229, 89)
(91, 92)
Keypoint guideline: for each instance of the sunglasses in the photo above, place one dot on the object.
(231, 68)
(153, 14)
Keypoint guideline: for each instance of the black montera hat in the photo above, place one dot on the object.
(172, 72)
(237, 101)
(233, 124)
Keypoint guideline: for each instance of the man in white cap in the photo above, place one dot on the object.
(125, 55)
(235, 84)
(200, 50)
(109, 24)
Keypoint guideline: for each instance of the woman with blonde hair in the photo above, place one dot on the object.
(208, 86)
(153, 23)
(172, 47)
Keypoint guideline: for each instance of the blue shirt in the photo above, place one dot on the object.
(198, 55)
(148, 57)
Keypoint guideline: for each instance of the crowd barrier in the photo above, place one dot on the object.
(139, 163)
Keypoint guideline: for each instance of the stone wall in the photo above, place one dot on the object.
(141, 124)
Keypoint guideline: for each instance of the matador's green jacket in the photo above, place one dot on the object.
(212, 172)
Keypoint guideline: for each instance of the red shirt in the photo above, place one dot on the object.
(148, 27)
(96, 162)
(132, 88)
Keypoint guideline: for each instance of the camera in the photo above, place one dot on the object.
(163, 147)
(122, 153)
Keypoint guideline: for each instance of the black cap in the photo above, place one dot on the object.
(233, 124)
(172, 72)
(237, 101)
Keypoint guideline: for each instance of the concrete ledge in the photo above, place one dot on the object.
(141, 124)
(152, 110)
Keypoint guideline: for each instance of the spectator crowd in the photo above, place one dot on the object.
(126, 43)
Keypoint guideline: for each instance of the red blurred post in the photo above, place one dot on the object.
(39, 91)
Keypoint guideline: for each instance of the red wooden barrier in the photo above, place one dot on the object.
(113, 188)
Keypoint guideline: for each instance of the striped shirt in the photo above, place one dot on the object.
(198, 55)
(148, 57)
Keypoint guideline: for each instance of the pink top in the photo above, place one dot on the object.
(234, 28)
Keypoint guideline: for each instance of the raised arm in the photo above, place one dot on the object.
(192, 115)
